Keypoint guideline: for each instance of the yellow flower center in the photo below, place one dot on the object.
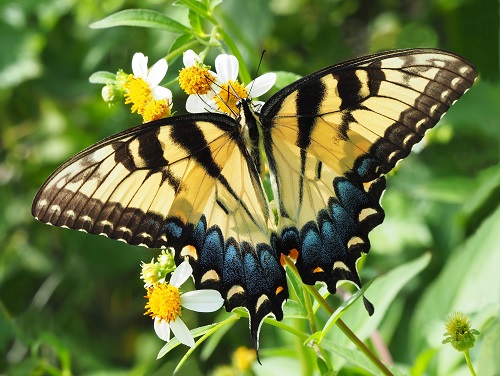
(229, 95)
(156, 109)
(195, 80)
(139, 94)
(164, 302)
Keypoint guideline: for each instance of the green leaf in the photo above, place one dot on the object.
(195, 6)
(285, 78)
(174, 342)
(487, 360)
(469, 282)
(355, 357)
(293, 309)
(141, 18)
(195, 22)
(183, 43)
(297, 291)
(340, 310)
(102, 77)
(214, 4)
(382, 293)
(216, 337)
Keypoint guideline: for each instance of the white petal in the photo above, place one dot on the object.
(181, 332)
(162, 329)
(190, 58)
(195, 104)
(261, 84)
(157, 72)
(140, 65)
(227, 67)
(160, 92)
(181, 274)
(202, 300)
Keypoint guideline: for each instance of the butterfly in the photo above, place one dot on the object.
(195, 182)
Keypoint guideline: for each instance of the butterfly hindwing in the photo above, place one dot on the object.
(331, 136)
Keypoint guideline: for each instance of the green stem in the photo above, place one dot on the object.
(309, 310)
(469, 363)
(341, 325)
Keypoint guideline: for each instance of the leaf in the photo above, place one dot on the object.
(195, 22)
(178, 47)
(141, 18)
(102, 77)
(487, 361)
(381, 294)
(285, 78)
(296, 291)
(295, 310)
(174, 342)
(355, 357)
(469, 282)
(340, 310)
(195, 6)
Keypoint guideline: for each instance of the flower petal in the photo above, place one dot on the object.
(195, 104)
(181, 332)
(200, 103)
(157, 72)
(261, 84)
(227, 67)
(140, 65)
(162, 329)
(202, 300)
(190, 58)
(181, 274)
(160, 92)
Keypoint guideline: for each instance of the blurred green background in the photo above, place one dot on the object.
(72, 303)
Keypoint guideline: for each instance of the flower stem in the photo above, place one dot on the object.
(469, 363)
(341, 325)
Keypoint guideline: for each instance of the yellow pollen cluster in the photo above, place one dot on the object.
(195, 80)
(139, 94)
(156, 109)
(229, 95)
(164, 302)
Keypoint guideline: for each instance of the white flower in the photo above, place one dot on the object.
(199, 301)
(153, 77)
(227, 91)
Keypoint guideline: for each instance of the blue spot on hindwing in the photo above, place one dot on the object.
(172, 229)
(312, 246)
(333, 243)
(366, 167)
(352, 198)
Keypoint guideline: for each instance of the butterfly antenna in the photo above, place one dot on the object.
(258, 68)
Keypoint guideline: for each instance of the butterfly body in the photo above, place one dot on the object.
(194, 182)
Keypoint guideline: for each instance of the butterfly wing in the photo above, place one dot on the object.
(329, 138)
(185, 182)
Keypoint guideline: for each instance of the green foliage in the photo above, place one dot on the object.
(72, 303)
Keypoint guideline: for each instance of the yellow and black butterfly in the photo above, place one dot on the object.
(193, 182)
